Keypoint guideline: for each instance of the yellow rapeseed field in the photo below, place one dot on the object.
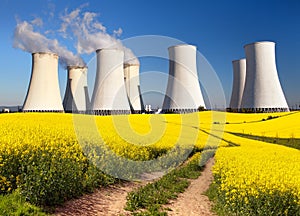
(36, 142)
(249, 174)
(286, 126)
(259, 178)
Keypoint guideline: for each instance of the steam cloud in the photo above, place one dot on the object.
(92, 35)
(89, 33)
(27, 39)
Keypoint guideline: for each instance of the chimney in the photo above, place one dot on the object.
(263, 92)
(183, 94)
(43, 94)
(109, 95)
(76, 98)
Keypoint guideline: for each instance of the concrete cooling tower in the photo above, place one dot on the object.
(239, 77)
(132, 84)
(109, 96)
(43, 93)
(76, 98)
(183, 94)
(262, 91)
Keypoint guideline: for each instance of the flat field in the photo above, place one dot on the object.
(52, 157)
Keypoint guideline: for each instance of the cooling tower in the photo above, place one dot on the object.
(132, 83)
(183, 94)
(262, 91)
(76, 98)
(43, 93)
(109, 96)
(239, 76)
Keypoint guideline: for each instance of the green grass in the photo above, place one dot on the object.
(15, 205)
(289, 142)
(218, 206)
(153, 195)
(148, 200)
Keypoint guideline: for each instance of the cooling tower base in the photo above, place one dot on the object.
(179, 111)
(51, 111)
(137, 112)
(260, 110)
(111, 112)
(78, 111)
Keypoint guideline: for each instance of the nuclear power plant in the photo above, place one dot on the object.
(109, 95)
(43, 93)
(262, 91)
(132, 85)
(76, 98)
(183, 94)
(256, 85)
(239, 77)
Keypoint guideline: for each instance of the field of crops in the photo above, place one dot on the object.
(259, 178)
(52, 157)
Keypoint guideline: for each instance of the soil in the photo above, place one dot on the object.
(105, 201)
(112, 200)
(192, 202)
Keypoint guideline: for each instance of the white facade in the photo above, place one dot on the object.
(239, 77)
(263, 92)
(43, 93)
(109, 95)
(132, 84)
(76, 98)
(183, 92)
(148, 108)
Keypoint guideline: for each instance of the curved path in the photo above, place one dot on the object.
(105, 201)
(112, 200)
(192, 201)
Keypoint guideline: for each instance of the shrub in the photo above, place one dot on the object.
(15, 205)
(49, 178)
(201, 108)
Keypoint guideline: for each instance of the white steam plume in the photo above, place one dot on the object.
(27, 39)
(91, 34)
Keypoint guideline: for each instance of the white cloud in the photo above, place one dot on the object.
(118, 32)
(37, 22)
(27, 39)
(92, 35)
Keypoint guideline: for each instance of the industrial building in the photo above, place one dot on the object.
(132, 85)
(239, 77)
(256, 85)
(109, 95)
(43, 93)
(262, 91)
(183, 94)
(76, 98)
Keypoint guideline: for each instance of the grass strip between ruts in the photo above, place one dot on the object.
(148, 200)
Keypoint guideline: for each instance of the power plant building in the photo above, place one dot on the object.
(76, 98)
(256, 86)
(239, 77)
(109, 95)
(183, 94)
(43, 93)
(262, 92)
(132, 85)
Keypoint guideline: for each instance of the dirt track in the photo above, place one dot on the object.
(105, 201)
(111, 200)
(192, 201)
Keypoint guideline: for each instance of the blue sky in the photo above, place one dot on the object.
(219, 29)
